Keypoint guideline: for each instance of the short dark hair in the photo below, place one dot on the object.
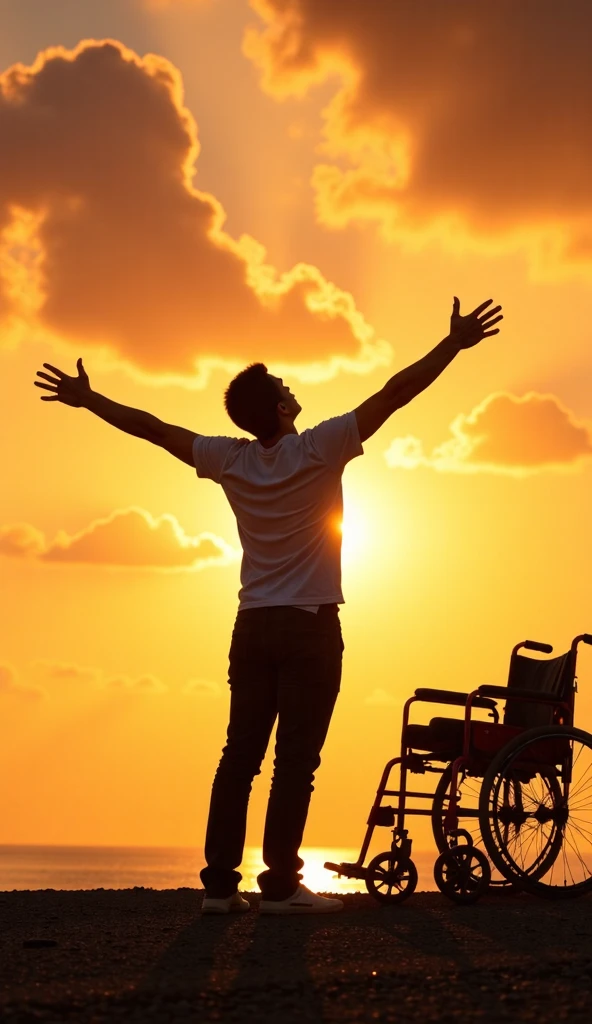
(251, 400)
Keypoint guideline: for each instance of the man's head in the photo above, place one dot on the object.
(260, 403)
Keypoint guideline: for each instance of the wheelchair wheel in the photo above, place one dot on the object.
(468, 818)
(462, 873)
(535, 811)
(389, 880)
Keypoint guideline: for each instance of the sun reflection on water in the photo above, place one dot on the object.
(314, 875)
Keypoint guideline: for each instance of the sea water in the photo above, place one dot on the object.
(123, 867)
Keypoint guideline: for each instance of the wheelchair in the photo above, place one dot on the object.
(512, 806)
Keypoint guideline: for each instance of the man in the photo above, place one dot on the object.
(286, 650)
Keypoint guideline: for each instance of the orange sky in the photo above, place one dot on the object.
(196, 185)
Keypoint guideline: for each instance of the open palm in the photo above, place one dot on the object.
(69, 390)
(469, 330)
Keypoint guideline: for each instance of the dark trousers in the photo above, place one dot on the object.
(285, 663)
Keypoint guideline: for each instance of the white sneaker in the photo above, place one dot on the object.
(302, 902)
(231, 905)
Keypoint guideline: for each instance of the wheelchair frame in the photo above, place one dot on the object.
(472, 763)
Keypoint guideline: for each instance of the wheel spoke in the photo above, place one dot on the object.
(574, 848)
(467, 809)
(389, 880)
(577, 790)
(534, 824)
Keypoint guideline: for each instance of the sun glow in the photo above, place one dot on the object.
(355, 532)
(314, 873)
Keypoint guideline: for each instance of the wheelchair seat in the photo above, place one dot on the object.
(443, 737)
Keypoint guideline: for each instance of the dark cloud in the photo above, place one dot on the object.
(456, 118)
(129, 538)
(503, 434)
(97, 196)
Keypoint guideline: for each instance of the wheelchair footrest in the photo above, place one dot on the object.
(349, 870)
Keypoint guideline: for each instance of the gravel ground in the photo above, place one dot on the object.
(145, 955)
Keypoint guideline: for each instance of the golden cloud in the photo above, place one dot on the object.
(202, 687)
(128, 538)
(143, 684)
(461, 120)
(9, 686)
(21, 540)
(65, 672)
(105, 241)
(503, 434)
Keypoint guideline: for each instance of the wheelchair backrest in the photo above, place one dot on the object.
(554, 677)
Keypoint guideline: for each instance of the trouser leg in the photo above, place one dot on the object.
(308, 685)
(253, 709)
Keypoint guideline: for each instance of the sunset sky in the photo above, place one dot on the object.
(187, 186)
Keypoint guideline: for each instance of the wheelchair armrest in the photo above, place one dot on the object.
(454, 697)
(505, 693)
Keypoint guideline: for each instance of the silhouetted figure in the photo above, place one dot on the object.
(286, 650)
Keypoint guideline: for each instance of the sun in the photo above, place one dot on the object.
(355, 532)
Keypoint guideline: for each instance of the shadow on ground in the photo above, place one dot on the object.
(144, 955)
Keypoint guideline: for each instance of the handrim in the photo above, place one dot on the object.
(563, 866)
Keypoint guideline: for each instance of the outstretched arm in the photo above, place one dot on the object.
(465, 331)
(77, 392)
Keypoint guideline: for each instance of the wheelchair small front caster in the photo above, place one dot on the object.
(390, 880)
(462, 873)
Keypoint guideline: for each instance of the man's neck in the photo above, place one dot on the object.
(289, 428)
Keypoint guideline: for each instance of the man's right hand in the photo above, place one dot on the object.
(73, 391)
(77, 391)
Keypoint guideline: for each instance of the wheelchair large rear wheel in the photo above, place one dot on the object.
(535, 811)
(469, 790)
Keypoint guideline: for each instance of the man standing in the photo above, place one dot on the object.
(286, 650)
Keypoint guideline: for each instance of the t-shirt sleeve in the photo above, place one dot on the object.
(211, 453)
(337, 440)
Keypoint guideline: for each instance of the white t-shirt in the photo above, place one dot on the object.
(288, 503)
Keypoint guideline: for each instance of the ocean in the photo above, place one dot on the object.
(123, 867)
